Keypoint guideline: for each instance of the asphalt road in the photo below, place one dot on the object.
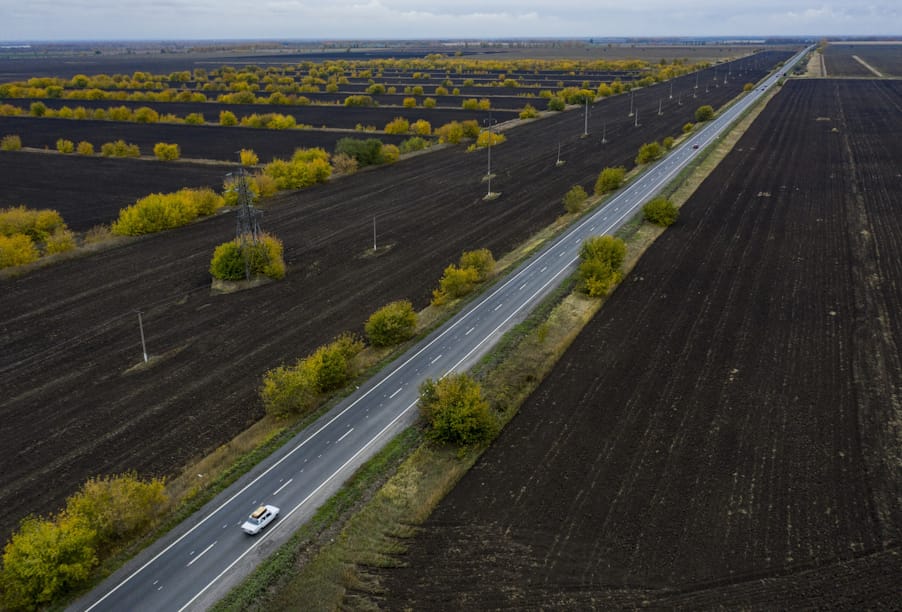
(200, 560)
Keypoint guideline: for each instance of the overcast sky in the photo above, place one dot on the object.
(375, 19)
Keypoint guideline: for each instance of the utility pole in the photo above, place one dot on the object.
(586, 120)
(604, 132)
(637, 118)
(660, 107)
(671, 89)
(631, 104)
(143, 344)
(490, 195)
(559, 161)
(374, 233)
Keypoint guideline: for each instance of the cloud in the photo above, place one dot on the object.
(375, 19)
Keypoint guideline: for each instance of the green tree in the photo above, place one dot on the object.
(456, 411)
(248, 157)
(661, 211)
(65, 146)
(688, 127)
(649, 152)
(392, 324)
(85, 148)
(575, 199)
(455, 282)
(529, 112)
(704, 113)
(118, 507)
(480, 260)
(600, 267)
(45, 559)
(667, 143)
(609, 179)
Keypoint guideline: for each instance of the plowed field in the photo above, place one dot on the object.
(727, 432)
(68, 333)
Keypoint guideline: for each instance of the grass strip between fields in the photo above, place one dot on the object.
(333, 570)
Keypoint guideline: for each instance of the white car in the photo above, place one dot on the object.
(259, 518)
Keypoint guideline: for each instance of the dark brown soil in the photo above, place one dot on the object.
(69, 334)
(726, 432)
(887, 59)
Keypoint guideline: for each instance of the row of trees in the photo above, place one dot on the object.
(162, 211)
(457, 281)
(49, 557)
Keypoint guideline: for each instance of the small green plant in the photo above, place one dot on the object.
(649, 152)
(84, 148)
(529, 112)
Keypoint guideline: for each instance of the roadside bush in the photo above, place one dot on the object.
(65, 146)
(480, 260)
(296, 389)
(575, 199)
(261, 256)
(367, 152)
(556, 103)
(661, 211)
(602, 258)
(45, 559)
(194, 119)
(667, 143)
(119, 148)
(748, 87)
(429, 103)
(10, 142)
(456, 411)
(609, 179)
(470, 104)
(85, 148)
(17, 250)
(414, 144)
(392, 324)
(451, 133)
(158, 211)
(248, 157)
(704, 113)
(398, 125)
(649, 152)
(455, 282)
(688, 127)
(471, 128)
(118, 507)
(529, 112)
(166, 152)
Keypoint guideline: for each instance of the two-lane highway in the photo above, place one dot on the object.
(197, 562)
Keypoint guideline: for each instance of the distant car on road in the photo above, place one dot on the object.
(259, 518)
(695, 145)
